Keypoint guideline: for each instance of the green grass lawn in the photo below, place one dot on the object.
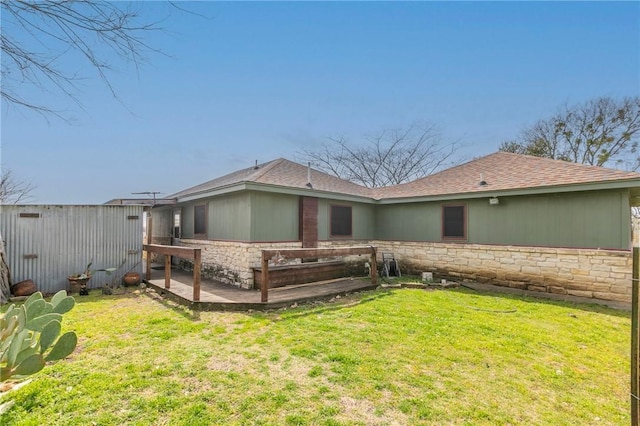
(384, 357)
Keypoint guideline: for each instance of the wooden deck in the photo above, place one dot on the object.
(216, 296)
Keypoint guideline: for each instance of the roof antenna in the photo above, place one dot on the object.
(154, 193)
(309, 185)
(482, 181)
(256, 166)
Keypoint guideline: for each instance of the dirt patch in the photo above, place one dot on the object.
(237, 364)
(365, 411)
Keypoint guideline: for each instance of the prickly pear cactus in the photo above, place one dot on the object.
(29, 335)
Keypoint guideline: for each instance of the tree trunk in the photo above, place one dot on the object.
(5, 275)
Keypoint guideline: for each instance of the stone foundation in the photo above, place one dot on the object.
(600, 274)
(231, 261)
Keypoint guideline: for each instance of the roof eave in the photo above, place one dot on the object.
(212, 192)
(488, 192)
(254, 186)
(311, 192)
(591, 186)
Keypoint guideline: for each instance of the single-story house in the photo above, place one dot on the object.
(506, 219)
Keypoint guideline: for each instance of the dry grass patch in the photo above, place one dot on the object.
(378, 358)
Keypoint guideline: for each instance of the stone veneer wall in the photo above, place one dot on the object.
(231, 261)
(355, 259)
(600, 274)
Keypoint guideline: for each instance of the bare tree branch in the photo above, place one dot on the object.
(14, 191)
(390, 157)
(37, 36)
(36, 39)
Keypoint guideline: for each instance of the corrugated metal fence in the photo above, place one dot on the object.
(46, 243)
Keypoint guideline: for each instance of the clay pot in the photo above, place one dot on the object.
(24, 288)
(131, 278)
(77, 284)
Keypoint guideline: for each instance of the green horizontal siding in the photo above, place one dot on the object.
(228, 217)
(186, 220)
(362, 219)
(590, 220)
(274, 217)
(408, 222)
(598, 219)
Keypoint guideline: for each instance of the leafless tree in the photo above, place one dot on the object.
(36, 38)
(38, 35)
(390, 157)
(601, 132)
(13, 190)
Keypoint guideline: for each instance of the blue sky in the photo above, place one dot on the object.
(258, 81)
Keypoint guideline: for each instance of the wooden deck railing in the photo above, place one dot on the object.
(184, 252)
(313, 253)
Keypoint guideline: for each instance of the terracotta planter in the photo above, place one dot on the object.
(131, 278)
(24, 288)
(77, 284)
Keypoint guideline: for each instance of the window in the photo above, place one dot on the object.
(454, 224)
(200, 222)
(176, 224)
(341, 221)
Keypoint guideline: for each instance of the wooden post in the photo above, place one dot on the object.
(149, 229)
(197, 261)
(374, 266)
(264, 287)
(148, 265)
(167, 271)
(635, 335)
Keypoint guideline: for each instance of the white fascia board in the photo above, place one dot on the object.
(597, 186)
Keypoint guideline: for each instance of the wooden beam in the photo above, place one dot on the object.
(149, 231)
(197, 262)
(185, 252)
(264, 286)
(167, 271)
(315, 253)
(148, 271)
(318, 252)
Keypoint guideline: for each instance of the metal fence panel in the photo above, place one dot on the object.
(46, 243)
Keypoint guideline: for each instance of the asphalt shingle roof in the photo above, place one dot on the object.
(281, 172)
(501, 171)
